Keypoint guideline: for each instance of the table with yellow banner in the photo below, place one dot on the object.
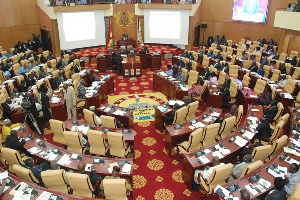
(132, 66)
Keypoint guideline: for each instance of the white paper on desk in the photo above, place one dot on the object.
(74, 156)
(240, 141)
(225, 191)
(288, 96)
(208, 119)
(44, 196)
(278, 90)
(252, 118)
(119, 112)
(273, 85)
(107, 109)
(203, 159)
(192, 127)
(213, 86)
(248, 135)
(161, 108)
(126, 169)
(64, 159)
(225, 151)
(264, 183)
(253, 191)
(52, 156)
(291, 151)
(171, 102)
(215, 114)
(16, 128)
(199, 125)
(291, 161)
(88, 95)
(254, 110)
(88, 167)
(206, 151)
(253, 96)
(218, 154)
(103, 107)
(3, 175)
(34, 150)
(18, 195)
(273, 173)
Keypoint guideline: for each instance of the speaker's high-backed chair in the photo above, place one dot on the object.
(97, 142)
(210, 133)
(25, 174)
(58, 127)
(108, 121)
(261, 153)
(290, 86)
(277, 146)
(117, 145)
(55, 180)
(259, 86)
(217, 177)
(180, 115)
(90, 117)
(251, 167)
(81, 184)
(74, 142)
(193, 143)
(193, 77)
(12, 157)
(115, 189)
(192, 109)
(226, 128)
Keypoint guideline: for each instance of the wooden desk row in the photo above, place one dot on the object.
(190, 163)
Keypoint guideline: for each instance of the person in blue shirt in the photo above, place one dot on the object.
(180, 76)
(211, 54)
(264, 61)
(169, 72)
(23, 69)
(186, 54)
(261, 71)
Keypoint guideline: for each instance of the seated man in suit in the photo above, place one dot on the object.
(36, 169)
(94, 178)
(187, 100)
(263, 129)
(6, 129)
(116, 175)
(169, 117)
(272, 111)
(278, 192)
(7, 111)
(13, 142)
(238, 169)
(31, 80)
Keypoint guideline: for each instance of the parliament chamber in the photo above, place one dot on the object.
(150, 99)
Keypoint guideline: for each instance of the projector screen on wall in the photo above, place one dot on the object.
(167, 26)
(250, 10)
(81, 29)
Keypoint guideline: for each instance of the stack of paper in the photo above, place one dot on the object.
(199, 125)
(203, 159)
(215, 114)
(107, 109)
(64, 160)
(253, 96)
(288, 96)
(218, 154)
(278, 172)
(44, 196)
(264, 183)
(126, 169)
(248, 135)
(240, 141)
(55, 100)
(119, 112)
(34, 150)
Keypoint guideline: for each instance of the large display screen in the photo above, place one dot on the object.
(250, 10)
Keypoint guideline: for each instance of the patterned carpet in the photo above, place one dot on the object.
(155, 175)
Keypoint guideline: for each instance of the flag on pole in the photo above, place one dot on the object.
(140, 37)
(110, 40)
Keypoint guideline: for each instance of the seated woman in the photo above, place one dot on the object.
(195, 91)
(273, 65)
(266, 97)
(213, 78)
(253, 67)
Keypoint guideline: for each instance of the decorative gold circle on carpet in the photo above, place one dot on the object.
(147, 91)
(122, 84)
(152, 152)
(144, 83)
(137, 153)
(144, 124)
(123, 93)
(135, 88)
(177, 176)
(140, 198)
(155, 164)
(186, 192)
(138, 181)
(175, 162)
(149, 141)
(135, 166)
(159, 179)
(163, 194)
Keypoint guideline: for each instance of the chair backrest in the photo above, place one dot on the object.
(192, 109)
(267, 70)
(117, 144)
(278, 145)
(288, 67)
(16, 68)
(229, 42)
(277, 131)
(294, 53)
(185, 60)
(227, 127)
(261, 153)
(229, 50)
(275, 75)
(75, 76)
(108, 121)
(23, 62)
(284, 118)
(251, 167)
(180, 115)
(247, 64)
(15, 59)
(222, 78)
(282, 57)
(259, 86)
(234, 71)
(240, 113)
(12, 157)
(195, 55)
(280, 111)
(90, 117)
(194, 142)
(97, 142)
(80, 184)
(25, 174)
(296, 193)
(205, 62)
(216, 51)
(233, 89)
(224, 54)
(55, 180)
(210, 133)
(115, 189)
(186, 73)
(55, 73)
(194, 65)
(58, 127)
(193, 77)
(290, 85)
(296, 73)
(212, 69)
(46, 53)
(73, 141)
(219, 176)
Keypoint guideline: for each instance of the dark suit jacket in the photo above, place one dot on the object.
(264, 129)
(276, 195)
(271, 113)
(14, 143)
(6, 110)
(93, 177)
(31, 82)
(169, 118)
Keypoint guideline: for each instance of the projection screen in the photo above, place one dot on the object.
(81, 29)
(167, 26)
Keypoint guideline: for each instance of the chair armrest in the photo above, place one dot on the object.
(182, 146)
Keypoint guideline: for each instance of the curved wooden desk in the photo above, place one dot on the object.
(190, 163)
(174, 136)
(86, 159)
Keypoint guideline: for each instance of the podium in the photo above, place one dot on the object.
(155, 61)
(132, 67)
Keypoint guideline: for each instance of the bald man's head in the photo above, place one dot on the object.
(216, 161)
(81, 167)
(245, 195)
